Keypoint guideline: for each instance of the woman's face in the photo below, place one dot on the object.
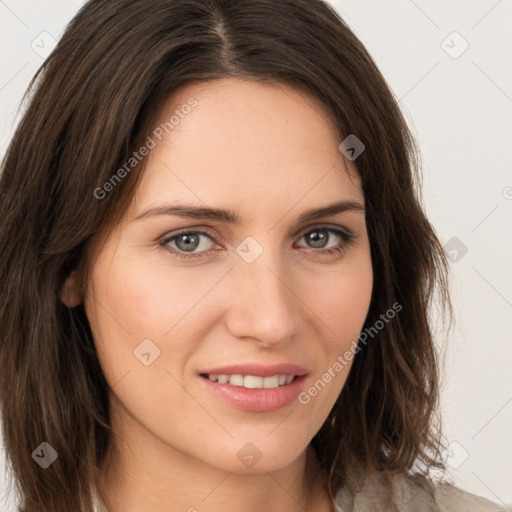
(173, 297)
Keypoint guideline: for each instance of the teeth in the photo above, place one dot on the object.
(236, 380)
(270, 382)
(252, 381)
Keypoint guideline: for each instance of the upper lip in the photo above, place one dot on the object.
(257, 370)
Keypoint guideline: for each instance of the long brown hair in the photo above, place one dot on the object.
(94, 101)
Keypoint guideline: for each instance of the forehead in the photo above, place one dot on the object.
(245, 144)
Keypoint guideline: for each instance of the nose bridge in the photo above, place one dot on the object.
(263, 306)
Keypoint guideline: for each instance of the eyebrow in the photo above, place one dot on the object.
(229, 216)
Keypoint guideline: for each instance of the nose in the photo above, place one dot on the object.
(262, 304)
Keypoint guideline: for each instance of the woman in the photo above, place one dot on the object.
(217, 273)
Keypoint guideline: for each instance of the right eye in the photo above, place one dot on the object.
(185, 243)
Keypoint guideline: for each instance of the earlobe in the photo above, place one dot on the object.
(70, 294)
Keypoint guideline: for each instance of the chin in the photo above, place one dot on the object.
(258, 454)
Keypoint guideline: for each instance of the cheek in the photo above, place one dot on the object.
(132, 301)
(342, 300)
(145, 299)
(342, 304)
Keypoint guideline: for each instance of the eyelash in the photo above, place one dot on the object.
(346, 237)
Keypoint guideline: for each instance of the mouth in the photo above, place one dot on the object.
(255, 388)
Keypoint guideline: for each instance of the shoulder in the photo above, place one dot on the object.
(400, 493)
(453, 498)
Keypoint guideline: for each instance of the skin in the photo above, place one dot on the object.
(268, 153)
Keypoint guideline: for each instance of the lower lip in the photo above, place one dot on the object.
(257, 400)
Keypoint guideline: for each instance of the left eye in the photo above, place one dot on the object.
(185, 244)
(319, 236)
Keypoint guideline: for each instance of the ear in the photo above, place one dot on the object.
(70, 294)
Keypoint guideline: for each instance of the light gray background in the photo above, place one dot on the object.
(460, 110)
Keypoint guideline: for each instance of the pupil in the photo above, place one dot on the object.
(318, 238)
(188, 239)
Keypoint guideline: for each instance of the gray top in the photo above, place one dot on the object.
(399, 493)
